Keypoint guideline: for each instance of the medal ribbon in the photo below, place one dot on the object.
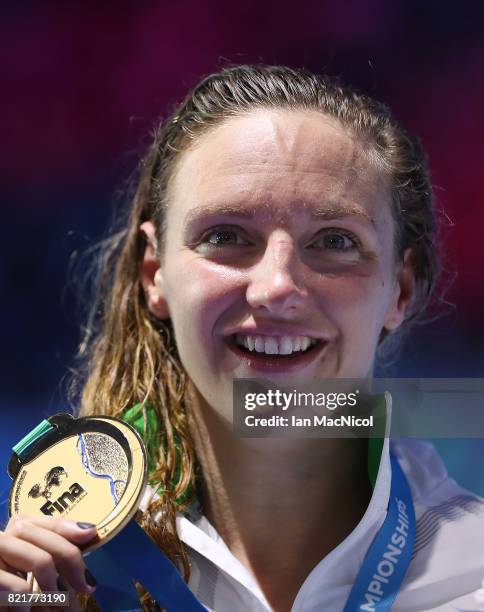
(374, 590)
(132, 555)
(388, 557)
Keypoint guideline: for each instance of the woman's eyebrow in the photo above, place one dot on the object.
(327, 212)
(332, 212)
(210, 210)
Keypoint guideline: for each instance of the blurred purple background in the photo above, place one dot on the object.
(82, 84)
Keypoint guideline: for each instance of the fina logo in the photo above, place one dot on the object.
(52, 479)
(64, 501)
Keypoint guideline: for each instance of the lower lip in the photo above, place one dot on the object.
(285, 364)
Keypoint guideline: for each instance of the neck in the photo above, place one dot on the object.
(280, 504)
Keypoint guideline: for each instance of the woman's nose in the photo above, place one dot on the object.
(276, 280)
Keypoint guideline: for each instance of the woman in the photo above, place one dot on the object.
(283, 227)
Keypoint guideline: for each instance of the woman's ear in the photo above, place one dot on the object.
(403, 293)
(150, 274)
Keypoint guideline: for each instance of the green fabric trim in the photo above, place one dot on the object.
(135, 417)
(38, 432)
(375, 445)
(375, 448)
(153, 439)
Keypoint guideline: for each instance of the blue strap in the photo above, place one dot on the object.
(133, 555)
(387, 560)
(116, 590)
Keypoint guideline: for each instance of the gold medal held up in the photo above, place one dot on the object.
(90, 469)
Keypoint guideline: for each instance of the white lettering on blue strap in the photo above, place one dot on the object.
(388, 557)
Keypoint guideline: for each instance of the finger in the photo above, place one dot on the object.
(66, 556)
(12, 582)
(78, 533)
(27, 557)
(8, 568)
(72, 606)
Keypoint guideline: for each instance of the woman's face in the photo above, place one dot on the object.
(279, 254)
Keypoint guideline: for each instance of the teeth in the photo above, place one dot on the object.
(285, 346)
(271, 345)
(259, 344)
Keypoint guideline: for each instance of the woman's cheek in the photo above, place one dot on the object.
(349, 301)
(200, 296)
(353, 311)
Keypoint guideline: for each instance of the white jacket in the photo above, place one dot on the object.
(445, 574)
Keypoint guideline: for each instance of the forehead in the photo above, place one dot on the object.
(280, 162)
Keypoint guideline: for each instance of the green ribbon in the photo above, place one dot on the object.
(149, 430)
(26, 442)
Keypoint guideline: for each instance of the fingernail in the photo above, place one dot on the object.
(85, 525)
(91, 581)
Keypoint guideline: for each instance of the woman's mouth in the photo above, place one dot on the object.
(275, 352)
(274, 345)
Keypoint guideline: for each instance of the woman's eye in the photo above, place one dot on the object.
(221, 237)
(337, 241)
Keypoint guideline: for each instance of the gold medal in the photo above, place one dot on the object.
(91, 469)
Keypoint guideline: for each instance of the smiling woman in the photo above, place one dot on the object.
(283, 228)
(281, 224)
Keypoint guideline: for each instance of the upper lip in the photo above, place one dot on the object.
(278, 331)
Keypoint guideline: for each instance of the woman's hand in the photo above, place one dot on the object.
(50, 548)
